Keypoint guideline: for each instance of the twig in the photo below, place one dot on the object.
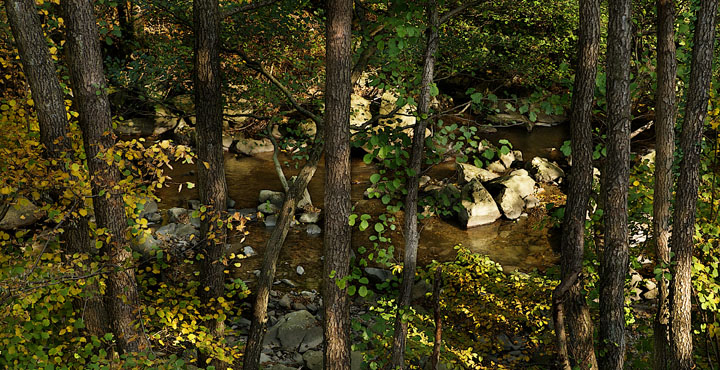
(451, 13)
(642, 129)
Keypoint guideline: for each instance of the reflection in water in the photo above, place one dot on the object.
(516, 245)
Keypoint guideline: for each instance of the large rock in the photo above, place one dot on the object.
(468, 172)
(248, 146)
(145, 243)
(544, 170)
(518, 180)
(21, 213)
(293, 327)
(478, 206)
(403, 118)
(313, 360)
(178, 215)
(359, 110)
(268, 208)
(148, 206)
(275, 197)
(510, 203)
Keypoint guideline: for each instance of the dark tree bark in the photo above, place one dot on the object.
(615, 257)
(52, 118)
(687, 186)
(568, 297)
(337, 184)
(258, 326)
(211, 169)
(664, 149)
(412, 235)
(89, 85)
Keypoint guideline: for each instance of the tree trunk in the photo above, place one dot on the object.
(296, 192)
(211, 170)
(52, 118)
(615, 257)
(337, 184)
(664, 150)
(412, 236)
(568, 297)
(687, 186)
(89, 87)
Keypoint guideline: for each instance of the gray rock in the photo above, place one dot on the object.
(378, 275)
(313, 360)
(195, 221)
(518, 180)
(313, 339)
(271, 221)
(145, 244)
(268, 208)
(544, 170)
(507, 159)
(310, 217)
(510, 203)
(264, 358)
(288, 282)
(518, 155)
(154, 217)
(497, 167)
(420, 289)
(250, 213)
(313, 229)
(249, 147)
(185, 230)
(300, 270)
(21, 214)
(166, 231)
(178, 215)
(194, 204)
(468, 172)
(285, 302)
(275, 197)
(293, 327)
(423, 181)
(248, 251)
(149, 206)
(531, 202)
(478, 206)
(230, 203)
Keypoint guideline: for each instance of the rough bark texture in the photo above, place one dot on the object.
(687, 186)
(88, 82)
(40, 72)
(615, 257)
(664, 148)
(337, 184)
(568, 297)
(211, 165)
(412, 236)
(52, 118)
(258, 326)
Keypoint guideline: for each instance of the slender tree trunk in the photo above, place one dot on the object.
(258, 326)
(52, 118)
(89, 87)
(615, 257)
(568, 297)
(337, 184)
(665, 148)
(211, 169)
(687, 186)
(412, 236)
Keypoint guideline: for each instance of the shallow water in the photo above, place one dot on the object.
(519, 245)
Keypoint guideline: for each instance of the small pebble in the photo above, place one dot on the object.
(300, 270)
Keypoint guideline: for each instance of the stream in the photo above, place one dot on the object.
(523, 244)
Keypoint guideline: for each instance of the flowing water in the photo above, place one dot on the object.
(523, 244)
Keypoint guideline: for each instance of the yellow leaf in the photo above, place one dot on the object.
(83, 212)
(207, 165)
(636, 183)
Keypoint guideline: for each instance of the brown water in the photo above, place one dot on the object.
(519, 245)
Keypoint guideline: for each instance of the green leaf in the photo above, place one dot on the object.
(363, 291)
(374, 178)
(379, 227)
(434, 91)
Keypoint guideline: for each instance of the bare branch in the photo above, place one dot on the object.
(451, 13)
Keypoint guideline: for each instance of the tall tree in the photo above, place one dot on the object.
(568, 297)
(412, 235)
(337, 183)
(52, 118)
(687, 186)
(615, 257)
(89, 87)
(664, 149)
(211, 169)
